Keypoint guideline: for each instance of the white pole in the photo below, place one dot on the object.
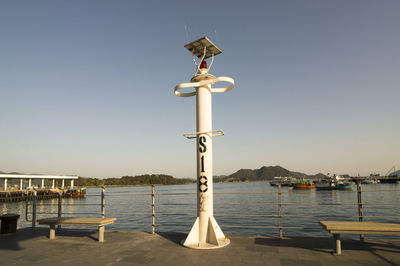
(62, 184)
(20, 183)
(205, 233)
(30, 183)
(42, 182)
(5, 184)
(52, 184)
(72, 183)
(204, 161)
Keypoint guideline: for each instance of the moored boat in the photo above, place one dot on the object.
(325, 186)
(369, 181)
(344, 186)
(334, 183)
(283, 181)
(389, 179)
(75, 193)
(335, 186)
(303, 184)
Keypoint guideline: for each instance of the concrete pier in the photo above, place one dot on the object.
(79, 247)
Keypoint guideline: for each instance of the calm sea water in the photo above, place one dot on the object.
(234, 205)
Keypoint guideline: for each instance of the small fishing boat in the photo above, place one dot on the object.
(325, 186)
(335, 186)
(369, 181)
(283, 181)
(303, 184)
(75, 193)
(344, 186)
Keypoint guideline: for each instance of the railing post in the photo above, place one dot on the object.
(59, 206)
(102, 202)
(153, 214)
(360, 207)
(26, 205)
(34, 209)
(280, 210)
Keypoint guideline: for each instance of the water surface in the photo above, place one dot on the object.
(234, 203)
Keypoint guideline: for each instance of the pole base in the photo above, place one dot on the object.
(215, 238)
(221, 243)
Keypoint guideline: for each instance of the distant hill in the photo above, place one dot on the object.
(220, 178)
(264, 173)
(156, 179)
(11, 173)
(317, 176)
(268, 173)
(235, 179)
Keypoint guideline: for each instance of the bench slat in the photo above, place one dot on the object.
(77, 221)
(364, 232)
(360, 226)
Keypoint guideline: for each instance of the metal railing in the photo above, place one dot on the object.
(279, 215)
(60, 205)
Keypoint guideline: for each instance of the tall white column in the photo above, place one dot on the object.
(62, 184)
(20, 183)
(72, 183)
(42, 182)
(5, 184)
(204, 162)
(53, 183)
(30, 182)
(205, 233)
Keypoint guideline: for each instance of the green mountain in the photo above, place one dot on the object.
(317, 176)
(266, 173)
(158, 179)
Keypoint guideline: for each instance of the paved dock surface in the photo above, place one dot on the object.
(80, 247)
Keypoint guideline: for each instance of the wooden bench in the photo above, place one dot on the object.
(358, 228)
(99, 222)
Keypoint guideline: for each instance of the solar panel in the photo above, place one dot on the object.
(197, 48)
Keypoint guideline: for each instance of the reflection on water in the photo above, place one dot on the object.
(176, 207)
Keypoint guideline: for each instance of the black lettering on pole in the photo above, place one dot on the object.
(202, 141)
(203, 186)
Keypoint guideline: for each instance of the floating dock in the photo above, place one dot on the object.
(42, 194)
(23, 195)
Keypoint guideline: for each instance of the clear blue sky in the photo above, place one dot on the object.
(86, 87)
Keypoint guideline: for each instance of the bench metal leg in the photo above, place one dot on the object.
(338, 248)
(52, 231)
(101, 233)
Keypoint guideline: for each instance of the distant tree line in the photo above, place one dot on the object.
(158, 179)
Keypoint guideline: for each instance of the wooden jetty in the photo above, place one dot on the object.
(42, 194)
(23, 195)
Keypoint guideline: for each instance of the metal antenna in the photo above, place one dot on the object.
(186, 31)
